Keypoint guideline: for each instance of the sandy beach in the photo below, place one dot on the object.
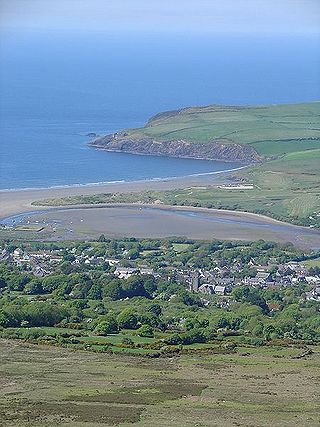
(18, 201)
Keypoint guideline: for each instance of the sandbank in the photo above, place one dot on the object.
(18, 201)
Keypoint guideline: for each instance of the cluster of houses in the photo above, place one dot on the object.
(126, 272)
(218, 281)
(39, 263)
(289, 274)
(313, 295)
(43, 262)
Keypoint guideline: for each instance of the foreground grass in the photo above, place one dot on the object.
(48, 386)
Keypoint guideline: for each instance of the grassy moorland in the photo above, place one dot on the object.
(47, 386)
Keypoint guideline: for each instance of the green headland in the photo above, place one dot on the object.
(223, 132)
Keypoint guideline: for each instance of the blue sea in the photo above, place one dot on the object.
(56, 88)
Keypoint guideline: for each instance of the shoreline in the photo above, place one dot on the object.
(17, 201)
(103, 183)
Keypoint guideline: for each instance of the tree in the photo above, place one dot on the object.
(134, 287)
(3, 319)
(256, 299)
(268, 330)
(66, 267)
(80, 290)
(95, 292)
(100, 308)
(257, 330)
(18, 282)
(69, 257)
(149, 319)
(113, 290)
(155, 309)
(12, 314)
(133, 254)
(44, 313)
(50, 283)
(314, 271)
(241, 293)
(79, 304)
(127, 342)
(188, 298)
(191, 323)
(220, 321)
(3, 283)
(174, 339)
(250, 295)
(63, 289)
(149, 284)
(127, 319)
(34, 287)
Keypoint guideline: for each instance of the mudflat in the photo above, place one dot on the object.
(164, 221)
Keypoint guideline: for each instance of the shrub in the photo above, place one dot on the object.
(174, 339)
(128, 342)
(145, 331)
(194, 336)
(33, 334)
(108, 326)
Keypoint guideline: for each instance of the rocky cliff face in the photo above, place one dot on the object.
(215, 150)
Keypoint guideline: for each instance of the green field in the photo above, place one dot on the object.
(271, 129)
(45, 386)
(287, 188)
(312, 262)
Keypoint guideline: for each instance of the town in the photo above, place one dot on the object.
(131, 260)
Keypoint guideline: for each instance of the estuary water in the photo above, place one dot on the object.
(55, 89)
(154, 222)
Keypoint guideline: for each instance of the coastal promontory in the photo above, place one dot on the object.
(216, 132)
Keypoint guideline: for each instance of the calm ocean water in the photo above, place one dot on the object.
(56, 89)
